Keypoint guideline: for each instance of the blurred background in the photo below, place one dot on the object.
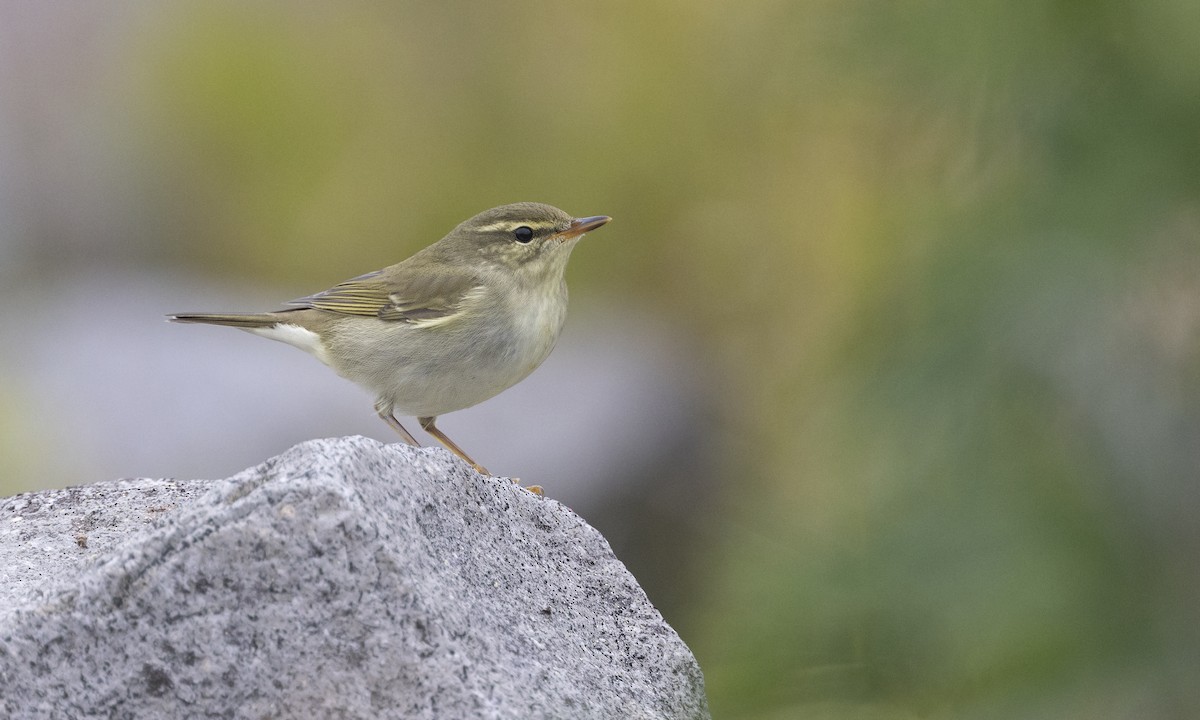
(884, 381)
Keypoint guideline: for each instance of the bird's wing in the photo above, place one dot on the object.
(396, 294)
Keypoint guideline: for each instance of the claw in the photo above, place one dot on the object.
(535, 489)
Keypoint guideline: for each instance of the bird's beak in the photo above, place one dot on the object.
(580, 226)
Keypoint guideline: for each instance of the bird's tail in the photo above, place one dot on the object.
(238, 320)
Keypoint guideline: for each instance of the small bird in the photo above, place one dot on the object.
(455, 324)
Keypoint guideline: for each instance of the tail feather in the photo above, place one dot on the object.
(238, 320)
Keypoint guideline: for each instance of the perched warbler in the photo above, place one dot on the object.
(455, 324)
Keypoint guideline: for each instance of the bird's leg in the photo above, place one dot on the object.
(428, 426)
(385, 411)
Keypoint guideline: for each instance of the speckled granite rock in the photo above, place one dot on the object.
(341, 579)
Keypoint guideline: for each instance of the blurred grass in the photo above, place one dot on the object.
(943, 258)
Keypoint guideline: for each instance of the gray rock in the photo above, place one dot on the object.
(342, 579)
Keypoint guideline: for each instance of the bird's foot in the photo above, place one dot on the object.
(535, 489)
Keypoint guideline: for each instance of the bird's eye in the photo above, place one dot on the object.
(523, 234)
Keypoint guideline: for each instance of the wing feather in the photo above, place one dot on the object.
(396, 294)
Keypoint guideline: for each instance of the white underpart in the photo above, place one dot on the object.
(296, 336)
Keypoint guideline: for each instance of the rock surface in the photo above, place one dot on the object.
(342, 579)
